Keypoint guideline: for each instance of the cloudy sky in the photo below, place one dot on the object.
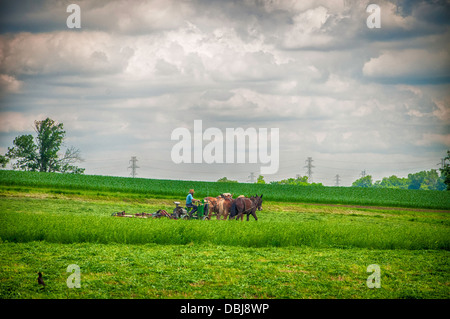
(351, 97)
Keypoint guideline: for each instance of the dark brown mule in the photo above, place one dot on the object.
(244, 205)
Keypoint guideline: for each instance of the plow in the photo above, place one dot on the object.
(158, 214)
(179, 212)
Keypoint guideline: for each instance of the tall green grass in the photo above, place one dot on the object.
(173, 188)
(363, 233)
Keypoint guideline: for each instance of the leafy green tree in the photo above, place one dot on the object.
(24, 152)
(260, 180)
(428, 180)
(392, 182)
(298, 181)
(42, 154)
(365, 181)
(3, 161)
(226, 180)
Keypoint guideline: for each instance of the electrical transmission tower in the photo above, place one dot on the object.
(338, 179)
(133, 166)
(252, 177)
(309, 167)
(363, 173)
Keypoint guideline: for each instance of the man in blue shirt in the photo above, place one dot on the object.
(189, 202)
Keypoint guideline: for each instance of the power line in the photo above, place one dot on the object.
(325, 172)
(338, 179)
(133, 166)
(309, 167)
(251, 177)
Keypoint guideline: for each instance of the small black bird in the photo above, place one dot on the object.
(40, 280)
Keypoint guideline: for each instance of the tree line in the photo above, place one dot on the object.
(297, 181)
(427, 180)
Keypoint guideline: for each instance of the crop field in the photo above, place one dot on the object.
(300, 247)
(139, 187)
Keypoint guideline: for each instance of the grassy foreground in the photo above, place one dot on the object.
(215, 271)
(293, 251)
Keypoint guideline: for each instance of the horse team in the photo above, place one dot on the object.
(224, 205)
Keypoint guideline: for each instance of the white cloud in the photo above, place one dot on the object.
(307, 29)
(63, 52)
(429, 139)
(18, 122)
(138, 17)
(443, 110)
(9, 84)
(409, 64)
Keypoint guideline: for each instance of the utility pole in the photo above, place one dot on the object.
(252, 177)
(309, 167)
(338, 179)
(133, 166)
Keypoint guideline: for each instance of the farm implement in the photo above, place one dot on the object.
(178, 213)
(183, 212)
(158, 214)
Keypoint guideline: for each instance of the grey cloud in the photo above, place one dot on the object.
(62, 53)
(314, 70)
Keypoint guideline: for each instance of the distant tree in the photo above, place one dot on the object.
(42, 154)
(428, 180)
(445, 171)
(416, 180)
(298, 181)
(260, 180)
(365, 181)
(226, 180)
(392, 182)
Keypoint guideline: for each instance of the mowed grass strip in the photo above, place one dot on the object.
(294, 229)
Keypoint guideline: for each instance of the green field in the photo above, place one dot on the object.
(294, 250)
(144, 188)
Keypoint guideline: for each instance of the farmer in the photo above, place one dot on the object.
(189, 202)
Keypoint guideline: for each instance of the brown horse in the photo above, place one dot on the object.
(212, 206)
(224, 204)
(220, 205)
(244, 205)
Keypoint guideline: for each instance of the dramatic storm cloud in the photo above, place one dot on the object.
(351, 97)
